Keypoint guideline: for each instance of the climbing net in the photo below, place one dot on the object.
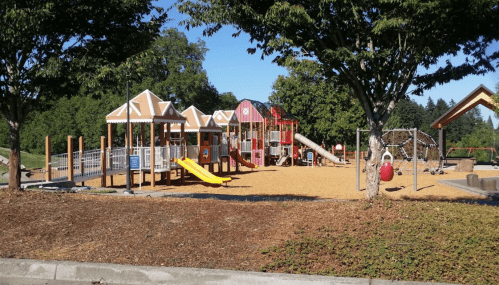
(401, 145)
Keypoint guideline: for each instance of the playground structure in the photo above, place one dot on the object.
(268, 135)
(79, 166)
(259, 135)
(207, 149)
(399, 143)
(413, 132)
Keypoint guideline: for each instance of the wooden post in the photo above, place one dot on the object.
(183, 144)
(70, 159)
(168, 139)
(48, 152)
(210, 139)
(162, 144)
(103, 161)
(110, 147)
(153, 157)
(82, 164)
(344, 152)
(200, 143)
(220, 163)
(292, 143)
(238, 144)
(251, 133)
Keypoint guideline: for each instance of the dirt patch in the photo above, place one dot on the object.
(204, 233)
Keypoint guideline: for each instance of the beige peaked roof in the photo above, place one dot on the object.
(481, 95)
(147, 108)
(226, 118)
(197, 122)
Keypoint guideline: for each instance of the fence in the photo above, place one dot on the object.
(215, 153)
(87, 165)
(225, 149)
(246, 146)
(274, 136)
(193, 152)
(59, 166)
(116, 160)
(274, 150)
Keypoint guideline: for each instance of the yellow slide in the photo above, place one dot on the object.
(200, 172)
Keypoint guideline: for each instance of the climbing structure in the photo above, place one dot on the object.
(401, 144)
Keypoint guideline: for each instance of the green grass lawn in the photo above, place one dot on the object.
(29, 160)
(3, 169)
(431, 241)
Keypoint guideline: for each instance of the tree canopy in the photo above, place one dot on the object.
(373, 46)
(48, 46)
(327, 112)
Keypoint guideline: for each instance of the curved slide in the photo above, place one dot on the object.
(200, 172)
(318, 149)
(237, 157)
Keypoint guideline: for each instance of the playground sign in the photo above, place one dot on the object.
(310, 159)
(135, 165)
(134, 162)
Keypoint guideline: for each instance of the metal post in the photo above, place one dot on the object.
(415, 158)
(127, 151)
(357, 160)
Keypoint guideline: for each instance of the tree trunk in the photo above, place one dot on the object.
(15, 156)
(373, 164)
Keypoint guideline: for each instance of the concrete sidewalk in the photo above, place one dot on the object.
(25, 271)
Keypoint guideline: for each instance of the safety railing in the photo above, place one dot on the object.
(87, 166)
(176, 151)
(274, 136)
(59, 166)
(246, 146)
(225, 149)
(193, 152)
(161, 157)
(115, 160)
(215, 153)
(274, 150)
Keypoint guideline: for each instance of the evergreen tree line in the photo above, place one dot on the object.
(469, 130)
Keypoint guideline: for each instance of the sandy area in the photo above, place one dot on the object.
(329, 182)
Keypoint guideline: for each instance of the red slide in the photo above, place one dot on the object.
(237, 157)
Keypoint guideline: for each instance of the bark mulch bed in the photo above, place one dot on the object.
(203, 233)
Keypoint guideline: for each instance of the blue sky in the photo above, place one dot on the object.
(231, 68)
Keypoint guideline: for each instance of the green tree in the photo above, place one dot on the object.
(173, 70)
(408, 114)
(374, 46)
(326, 110)
(48, 46)
(227, 101)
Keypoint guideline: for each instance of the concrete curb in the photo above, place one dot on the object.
(128, 274)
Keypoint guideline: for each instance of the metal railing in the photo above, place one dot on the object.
(176, 151)
(87, 166)
(215, 153)
(246, 146)
(274, 150)
(161, 157)
(274, 136)
(115, 160)
(59, 166)
(193, 152)
(225, 149)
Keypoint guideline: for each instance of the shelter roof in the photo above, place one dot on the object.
(197, 122)
(481, 95)
(146, 108)
(226, 118)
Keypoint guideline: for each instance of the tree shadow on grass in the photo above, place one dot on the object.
(463, 200)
